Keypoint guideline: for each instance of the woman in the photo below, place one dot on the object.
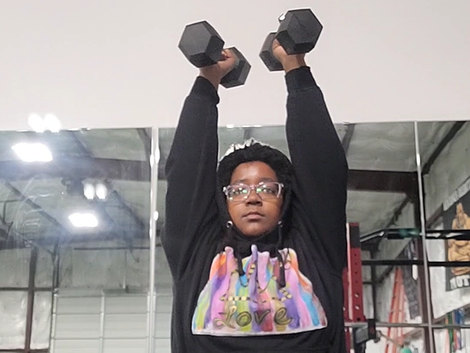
(257, 245)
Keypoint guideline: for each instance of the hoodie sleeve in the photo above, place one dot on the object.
(191, 174)
(319, 163)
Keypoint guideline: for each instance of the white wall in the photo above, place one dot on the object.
(116, 63)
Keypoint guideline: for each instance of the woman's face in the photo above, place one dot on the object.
(255, 213)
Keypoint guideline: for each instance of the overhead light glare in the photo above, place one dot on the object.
(83, 220)
(89, 191)
(52, 123)
(32, 152)
(36, 123)
(101, 191)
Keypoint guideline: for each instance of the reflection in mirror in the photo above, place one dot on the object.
(412, 342)
(444, 153)
(383, 200)
(74, 252)
(452, 339)
(382, 204)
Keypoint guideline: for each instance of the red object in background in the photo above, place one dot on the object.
(352, 281)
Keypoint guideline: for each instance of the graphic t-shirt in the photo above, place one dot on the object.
(254, 304)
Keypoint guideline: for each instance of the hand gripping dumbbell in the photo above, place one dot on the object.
(298, 33)
(203, 46)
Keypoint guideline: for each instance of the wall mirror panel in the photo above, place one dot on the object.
(444, 149)
(383, 201)
(76, 261)
(74, 248)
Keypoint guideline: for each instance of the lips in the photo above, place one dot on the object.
(253, 216)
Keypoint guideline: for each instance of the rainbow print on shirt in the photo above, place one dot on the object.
(254, 304)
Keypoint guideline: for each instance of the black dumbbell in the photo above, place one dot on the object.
(298, 33)
(203, 46)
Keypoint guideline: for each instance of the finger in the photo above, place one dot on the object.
(276, 44)
(227, 64)
(227, 53)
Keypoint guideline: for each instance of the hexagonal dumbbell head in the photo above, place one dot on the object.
(299, 31)
(201, 44)
(267, 55)
(237, 76)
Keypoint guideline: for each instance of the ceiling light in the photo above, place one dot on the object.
(52, 123)
(83, 220)
(101, 191)
(49, 122)
(32, 152)
(89, 191)
(36, 123)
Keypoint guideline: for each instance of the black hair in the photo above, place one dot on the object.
(256, 152)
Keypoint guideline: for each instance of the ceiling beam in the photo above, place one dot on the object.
(130, 211)
(367, 180)
(442, 144)
(101, 168)
(36, 207)
(346, 141)
(146, 141)
(51, 239)
(383, 181)
(77, 167)
(78, 143)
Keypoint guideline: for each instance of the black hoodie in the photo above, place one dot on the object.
(283, 293)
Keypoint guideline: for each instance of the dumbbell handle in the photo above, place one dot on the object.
(268, 57)
(237, 71)
(234, 51)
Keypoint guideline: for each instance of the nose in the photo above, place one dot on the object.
(253, 197)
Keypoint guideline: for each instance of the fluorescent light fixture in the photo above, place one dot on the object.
(89, 191)
(32, 152)
(36, 123)
(101, 191)
(83, 220)
(230, 126)
(52, 122)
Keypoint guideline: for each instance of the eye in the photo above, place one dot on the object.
(270, 189)
(237, 191)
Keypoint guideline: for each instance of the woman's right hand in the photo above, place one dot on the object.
(216, 72)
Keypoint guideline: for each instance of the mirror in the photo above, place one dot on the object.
(74, 248)
(86, 284)
(444, 150)
(383, 201)
(455, 339)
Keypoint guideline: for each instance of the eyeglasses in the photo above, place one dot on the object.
(266, 191)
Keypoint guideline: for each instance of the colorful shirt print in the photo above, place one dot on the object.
(254, 304)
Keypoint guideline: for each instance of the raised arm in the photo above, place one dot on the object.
(318, 158)
(191, 169)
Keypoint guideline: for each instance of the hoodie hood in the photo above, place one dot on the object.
(271, 241)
